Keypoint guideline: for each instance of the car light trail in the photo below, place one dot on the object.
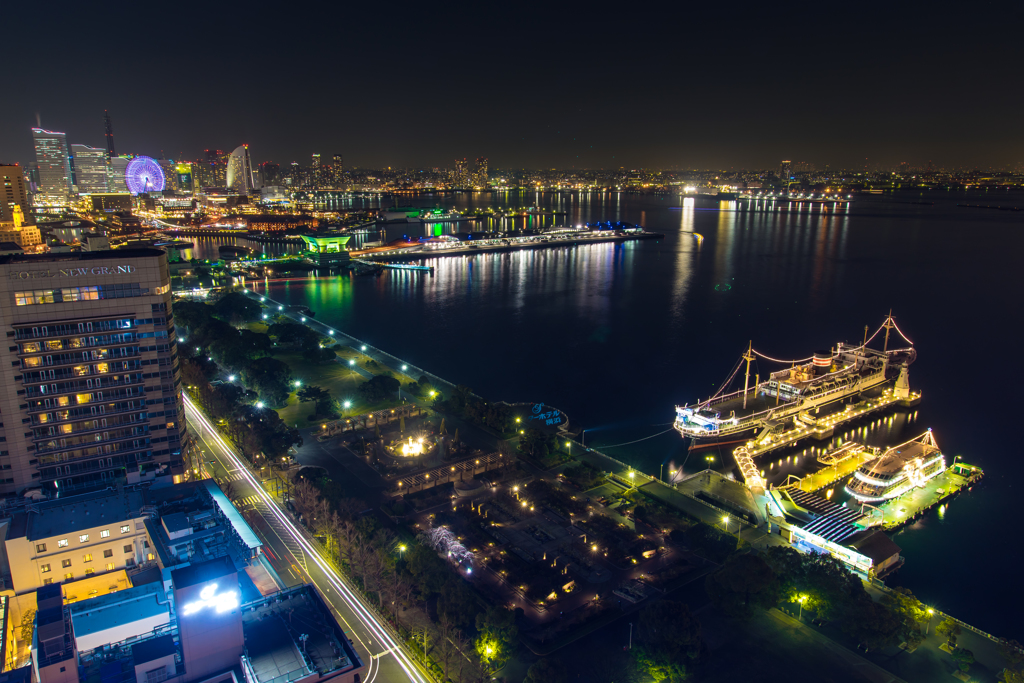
(365, 616)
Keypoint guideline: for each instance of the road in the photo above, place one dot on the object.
(295, 558)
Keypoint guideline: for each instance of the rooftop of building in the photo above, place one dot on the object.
(273, 628)
(201, 573)
(875, 544)
(212, 524)
(120, 254)
(894, 459)
(110, 611)
(75, 513)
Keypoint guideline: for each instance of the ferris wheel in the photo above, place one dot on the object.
(143, 174)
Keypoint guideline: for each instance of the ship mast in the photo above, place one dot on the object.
(888, 325)
(748, 356)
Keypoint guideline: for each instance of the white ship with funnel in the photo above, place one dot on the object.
(797, 392)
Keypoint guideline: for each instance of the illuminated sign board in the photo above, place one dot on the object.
(209, 597)
(69, 272)
(546, 417)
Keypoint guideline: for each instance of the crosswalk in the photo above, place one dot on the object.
(263, 509)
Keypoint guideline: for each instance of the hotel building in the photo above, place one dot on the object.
(90, 390)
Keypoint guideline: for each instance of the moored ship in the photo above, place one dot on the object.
(796, 393)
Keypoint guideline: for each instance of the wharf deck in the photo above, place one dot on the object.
(899, 511)
(825, 427)
(833, 473)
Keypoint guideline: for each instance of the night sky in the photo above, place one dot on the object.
(596, 85)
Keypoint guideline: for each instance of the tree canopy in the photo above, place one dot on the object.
(744, 586)
(379, 388)
(669, 639)
(237, 308)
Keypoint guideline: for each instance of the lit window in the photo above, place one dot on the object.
(65, 563)
(62, 543)
(47, 582)
(69, 576)
(163, 289)
(40, 547)
(44, 568)
(54, 345)
(83, 398)
(125, 528)
(110, 566)
(87, 557)
(65, 429)
(44, 418)
(81, 370)
(105, 533)
(150, 556)
(31, 347)
(88, 572)
(102, 367)
(83, 538)
(34, 361)
(63, 400)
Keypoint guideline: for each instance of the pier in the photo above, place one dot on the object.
(895, 513)
(821, 429)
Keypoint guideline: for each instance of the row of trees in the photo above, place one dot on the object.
(749, 583)
(498, 417)
(254, 430)
(397, 577)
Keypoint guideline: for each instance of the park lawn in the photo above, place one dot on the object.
(337, 378)
(258, 327)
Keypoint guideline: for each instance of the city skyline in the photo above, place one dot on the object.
(559, 88)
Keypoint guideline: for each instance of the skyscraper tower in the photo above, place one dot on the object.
(110, 134)
(786, 171)
(481, 172)
(239, 171)
(337, 172)
(54, 166)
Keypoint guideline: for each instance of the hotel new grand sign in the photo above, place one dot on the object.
(69, 272)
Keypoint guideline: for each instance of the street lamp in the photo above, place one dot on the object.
(404, 368)
(298, 383)
(351, 361)
(363, 347)
(929, 626)
(401, 549)
(802, 599)
(231, 378)
(259, 404)
(725, 521)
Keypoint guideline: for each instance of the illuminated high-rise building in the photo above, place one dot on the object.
(337, 172)
(115, 174)
(786, 170)
(54, 167)
(270, 174)
(239, 171)
(316, 173)
(90, 168)
(12, 192)
(109, 134)
(460, 178)
(184, 177)
(91, 393)
(481, 172)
